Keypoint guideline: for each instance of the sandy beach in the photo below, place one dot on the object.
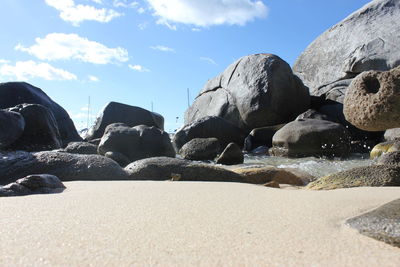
(190, 223)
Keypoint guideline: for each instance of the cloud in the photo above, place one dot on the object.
(162, 48)
(125, 3)
(93, 78)
(61, 46)
(142, 26)
(208, 13)
(71, 12)
(209, 60)
(25, 70)
(138, 68)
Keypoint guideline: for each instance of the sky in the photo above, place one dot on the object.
(148, 53)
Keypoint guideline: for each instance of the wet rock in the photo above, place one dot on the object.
(262, 175)
(81, 148)
(15, 93)
(33, 184)
(12, 125)
(252, 92)
(132, 116)
(261, 137)
(391, 158)
(67, 167)
(382, 224)
(164, 168)
(365, 40)
(385, 147)
(41, 129)
(311, 137)
(201, 149)
(372, 102)
(137, 142)
(377, 175)
(209, 127)
(231, 155)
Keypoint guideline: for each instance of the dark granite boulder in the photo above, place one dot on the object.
(12, 125)
(132, 116)
(231, 155)
(164, 168)
(303, 138)
(15, 93)
(201, 149)
(255, 91)
(382, 224)
(81, 148)
(41, 129)
(67, 167)
(33, 184)
(137, 142)
(209, 127)
(261, 137)
(365, 40)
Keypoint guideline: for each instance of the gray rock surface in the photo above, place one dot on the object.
(115, 112)
(392, 134)
(372, 101)
(201, 149)
(209, 127)
(15, 93)
(12, 125)
(231, 155)
(67, 167)
(382, 224)
(309, 137)
(81, 148)
(120, 158)
(164, 168)
(33, 184)
(41, 129)
(255, 91)
(261, 137)
(389, 158)
(313, 114)
(137, 142)
(366, 40)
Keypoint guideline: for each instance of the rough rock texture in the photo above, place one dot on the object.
(67, 167)
(201, 149)
(12, 125)
(385, 147)
(81, 148)
(255, 91)
(231, 155)
(313, 114)
(261, 137)
(382, 224)
(372, 101)
(378, 175)
(392, 134)
(15, 93)
(262, 175)
(366, 40)
(132, 116)
(120, 158)
(41, 129)
(311, 137)
(391, 158)
(33, 184)
(137, 142)
(209, 127)
(164, 168)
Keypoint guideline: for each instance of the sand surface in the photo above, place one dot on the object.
(184, 223)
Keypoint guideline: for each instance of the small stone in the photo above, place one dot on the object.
(231, 155)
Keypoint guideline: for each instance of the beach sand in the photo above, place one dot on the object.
(121, 223)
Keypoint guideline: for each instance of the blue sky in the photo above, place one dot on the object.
(148, 51)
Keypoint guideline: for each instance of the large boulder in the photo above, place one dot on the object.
(41, 129)
(164, 168)
(12, 125)
(309, 137)
(67, 167)
(115, 112)
(255, 91)
(366, 40)
(231, 155)
(137, 142)
(15, 93)
(261, 137)
(201, 149)
(372, 101)
(209, 127)
(80, 148)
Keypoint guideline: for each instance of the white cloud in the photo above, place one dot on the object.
(142, 26)
(162, 48)
(100, 2)
(125, 3)
(209, 60)
(208, 13)
(4, 61)
(61, 46)
(138, 68)
(25, 70)
(93, 78)
(71, 12)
